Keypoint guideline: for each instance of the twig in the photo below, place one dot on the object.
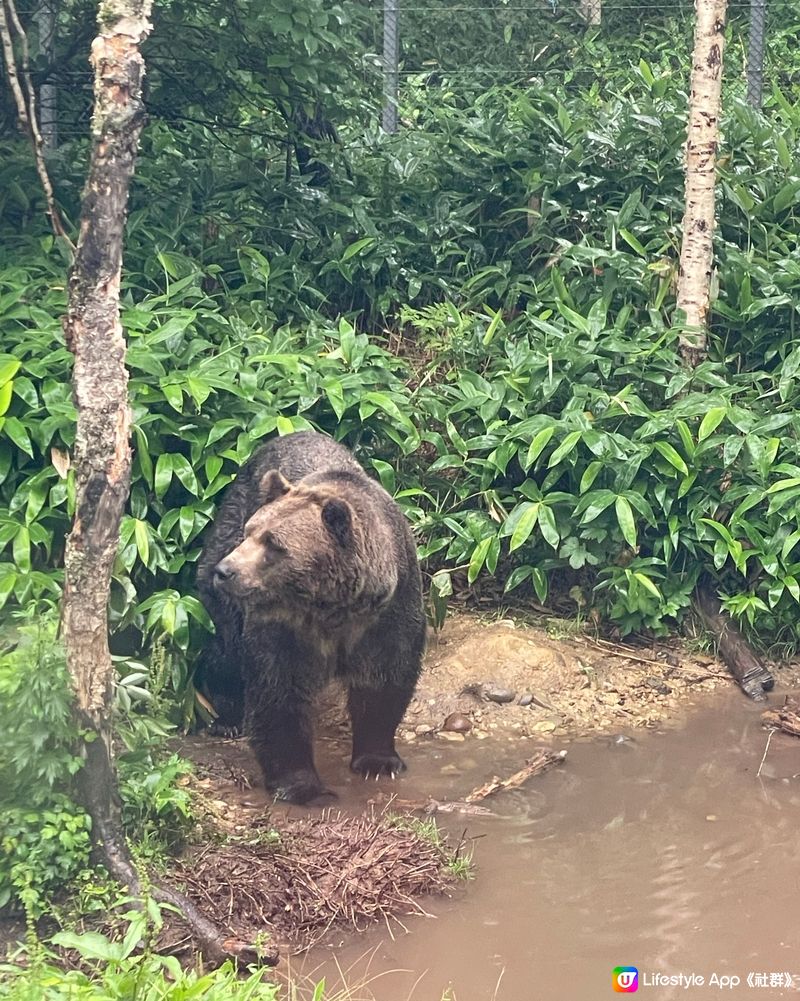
(766, 748)
(537, 764)
(616, 651)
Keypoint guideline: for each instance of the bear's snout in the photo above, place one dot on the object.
(223, 573)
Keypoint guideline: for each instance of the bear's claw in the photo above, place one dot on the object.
(377, 766)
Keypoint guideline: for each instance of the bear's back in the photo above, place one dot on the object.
(301, 454)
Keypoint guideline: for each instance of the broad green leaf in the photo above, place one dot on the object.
(357, 247)
(517, 577)
(626, 520)
(589, 476)
(538, 444)
(711, 422)
(386, 474)
(335, 394)
(89, 945)
(142, 536)
(183, 470)
(648, 584)
(566, 446)
(163, 476)
(478, 558)
(493, 327)
(787, 484)
(8, 369)
(547, 526)
(525, 525)
(539, 578)
(6, 392)
(672, 456)
(16, 431)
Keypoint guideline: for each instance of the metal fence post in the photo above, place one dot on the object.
(755, 52)
(391, 65)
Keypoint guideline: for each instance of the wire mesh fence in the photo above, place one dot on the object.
(545, 40)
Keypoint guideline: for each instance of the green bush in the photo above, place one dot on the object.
(45, 838)
(524, 403)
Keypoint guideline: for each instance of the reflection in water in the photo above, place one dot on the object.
(669, 853)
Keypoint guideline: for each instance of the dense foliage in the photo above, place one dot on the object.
(481, 306)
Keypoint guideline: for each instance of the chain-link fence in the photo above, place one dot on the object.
(504, 42)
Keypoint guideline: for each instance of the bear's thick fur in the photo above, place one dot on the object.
(310, 573)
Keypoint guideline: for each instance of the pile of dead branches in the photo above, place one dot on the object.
(321, 874)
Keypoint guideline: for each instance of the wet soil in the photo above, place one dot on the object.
(669, 840)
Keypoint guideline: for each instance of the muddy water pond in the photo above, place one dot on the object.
(662, 850)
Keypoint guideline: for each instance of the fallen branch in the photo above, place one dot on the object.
(541, 761)
(787, 718)
(534, 766)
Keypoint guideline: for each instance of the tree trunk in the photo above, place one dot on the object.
(701, 149)
(48, 94)
(102, 454)
(592, 11)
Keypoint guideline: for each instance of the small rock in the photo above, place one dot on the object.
(423, 730)
(409, 738)
(544, 726)
(658, 685)
(508, 623)
(526, 699)
(499, 695)
(711, 816)
(457, 723)
(447, 735)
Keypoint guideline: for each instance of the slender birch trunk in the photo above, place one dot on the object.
(701, 149)
(591, 11)
(102, 454)
(45, 18)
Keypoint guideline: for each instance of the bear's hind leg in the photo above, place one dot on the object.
(375, 715)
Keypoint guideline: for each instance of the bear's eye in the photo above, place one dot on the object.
(269, 541)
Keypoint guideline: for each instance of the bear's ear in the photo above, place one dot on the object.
(273, 486)
(337, 516)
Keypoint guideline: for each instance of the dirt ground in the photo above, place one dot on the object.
(507, 678)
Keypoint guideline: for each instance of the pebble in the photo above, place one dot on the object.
(447, 735)
(711, 816)
(526, 699)
(500, 695)
(457, 723)
(544, 726)
(423, 730)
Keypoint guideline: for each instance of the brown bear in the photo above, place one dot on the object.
(310, 574)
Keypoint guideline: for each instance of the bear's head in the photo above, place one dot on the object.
(301, 549)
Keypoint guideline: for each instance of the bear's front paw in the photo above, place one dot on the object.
(221, 730)
(301, 789)
(375, 765)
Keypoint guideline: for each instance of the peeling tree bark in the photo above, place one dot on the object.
(694, 284)
(102, 455)
(701, 152)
